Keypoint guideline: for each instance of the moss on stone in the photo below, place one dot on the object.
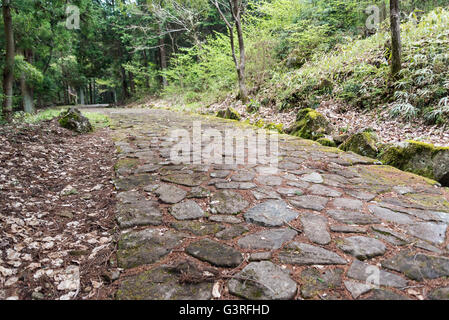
(362, 143)
(127, 163)
(416, 157)
(275, 127)
(327, 142)
(310, 124)
(229, 113)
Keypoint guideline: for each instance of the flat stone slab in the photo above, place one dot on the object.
(348, 229)
(187, 210)
(199, 193)
(362, 247)
(357, 289)
(184, 179)
(138, 213)
(267, 239)
(433, 232)
(215, 253)
(373, 275)
(313, 281)
(384, 295)
(163, 283)
(315, 228)
(350, 217)
(347, 203)
(225, 219)
(305, 254)
(313, 178)
(271, 181)
(418, 266)
(389, 215)
(439, 294)
(316, 203)
(264, 194)
(170, 194)
(197, 228)
(321, 190)
(228, 202)
(263, 281)
(129, 183)
(272, 213)
(232, 232)
(146, 246)
(243, 176)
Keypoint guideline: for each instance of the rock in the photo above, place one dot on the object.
(361, 195)
(381, 294)
(315, 203)
(313, 177)
(315, 229)
(348, 229)
(199, 193)
(263, 281)
(357, 289)
(353, 217)
(420, 158)
(243, 176)
(228, 202)
(187, 210)
(371, 274)
(272, 213)
(418, 266)
(138, 213)
(362, 247)
(339, 139)
(225, 219)
(260, 256)
(170, 194)
(347, 203)
(232, 232)
(72, 119)
(390, 215)
(320, 190)
(313, 281)
(362, 143)
(391, 236)
(229, 113)
(215, 253)
(37, 296)
(327, 142)
(310, 124)
(269, 180)
(184, 179)
(146, 246)
(267, 239)
(306, 254)
(265, 194)
(428, 231)
(439, 294)
(197, 228)
(164, 283)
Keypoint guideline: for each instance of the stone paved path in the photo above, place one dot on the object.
(327, 225)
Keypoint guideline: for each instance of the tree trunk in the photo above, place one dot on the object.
(132, 84)
(396, 45)
(81, 95)
(91, 99)
(243, 94)
(27, 90)
(124, 85)
(145, 63)
(8, 72)
(163, 60)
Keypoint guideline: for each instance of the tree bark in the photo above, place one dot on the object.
(8, 72)
(396, 45)
(27, 90)
(163, 60)
(235, 7)
(124, 85)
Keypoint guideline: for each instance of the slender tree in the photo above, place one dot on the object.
(235, 7)
(396, 45)
(8, 72)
